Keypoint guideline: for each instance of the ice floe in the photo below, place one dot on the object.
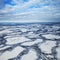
(47, 46)
(32, 42)
(51, 36)
(30, 56)
(58, 52)
(11, 54)
(15, 40)
(5, 31)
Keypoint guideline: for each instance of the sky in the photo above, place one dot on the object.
(29, 10)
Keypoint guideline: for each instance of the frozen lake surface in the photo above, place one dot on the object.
(33, 41)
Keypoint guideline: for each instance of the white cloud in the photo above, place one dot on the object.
(22, 10)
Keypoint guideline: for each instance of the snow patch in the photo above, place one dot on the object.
(15, 40)
(30, 56)
(51, 36)
(47, 46)
(32, 42)
(11, 54)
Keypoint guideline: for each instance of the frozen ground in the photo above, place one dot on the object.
(30, 42)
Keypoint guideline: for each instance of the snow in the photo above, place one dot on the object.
(5, 47)
(58, 52)
(30, 56)
(15, 40)
(5, 31)
(11, 54)
(31, 37)
(32, 42)
(23, 29)
(51, 36)
(47, 46)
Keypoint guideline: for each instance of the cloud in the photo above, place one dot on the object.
(30, 10)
